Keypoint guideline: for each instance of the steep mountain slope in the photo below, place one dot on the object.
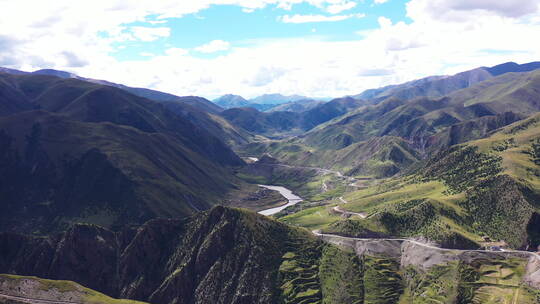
(467, 194)
(297, 106)
(233, 256)
(426, 125)
(281, 124)
(220, 256)
(512, 67)
(197, 102)
(56, 171)
(215, 124)
(268, 124)
(329, 110)
(11, 100)
(197, 110)
(376, 157)
(99, 154)
(276, 99)
(91, 102)
(517, 92)
(438, 86)
(11, 71)
(24, 289)
(231, 101)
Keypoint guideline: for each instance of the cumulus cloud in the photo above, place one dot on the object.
(264, 76)
(317, 18)
(460, 10)
(73, 60)
(384, 22)
(340, 7)
(431, 43)
(214, 46)
(509, 8)
(380, 1)
(176, 52)
(150, 33)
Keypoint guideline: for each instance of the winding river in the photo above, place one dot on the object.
(291, 198)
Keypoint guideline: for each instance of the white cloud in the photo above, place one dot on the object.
(509, 8)
(150, 33)
(384, 22)
(214, 46)
(432, 43)
(317, 18)
(176, 52)
(156, 21)
(264, 76)
(340, 7)
(459, 10)
(380, 1)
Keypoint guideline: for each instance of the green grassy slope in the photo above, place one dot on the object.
(518, 89)
(279, 124)
(53, 290)
(90, 102)
(56, 170)
(489, 187)
(230, 255)
(420, 126)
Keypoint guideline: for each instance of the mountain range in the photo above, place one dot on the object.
(422, 192)
(79, 151)
(268, 102)
(438, 86)
(415, 128)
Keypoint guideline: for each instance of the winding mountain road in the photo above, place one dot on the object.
(340, 210)
(425, 245)
(320, 171)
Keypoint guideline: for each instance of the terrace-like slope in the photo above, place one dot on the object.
(233, 256)
(464, 196)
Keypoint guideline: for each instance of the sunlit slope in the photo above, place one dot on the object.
(485, 188)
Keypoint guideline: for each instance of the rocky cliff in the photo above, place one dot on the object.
(230, 255)
(220, 256)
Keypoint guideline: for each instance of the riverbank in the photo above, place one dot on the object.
(292, 199)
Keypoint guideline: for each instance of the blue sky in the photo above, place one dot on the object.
(316, 48)
(233, 24)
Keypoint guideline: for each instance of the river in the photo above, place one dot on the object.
(291, 197)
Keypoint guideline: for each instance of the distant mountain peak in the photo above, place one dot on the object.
(438, 86)
(509, 67)
(231, 101)
(276, 98)
(57, 73)
(195, 101)
(229, 97)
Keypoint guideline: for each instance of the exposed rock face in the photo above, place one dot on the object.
(378, 247)
(413, 254)
(532, 273)
(232, 256)
(16, 289)
(221, 256)
(424, 257)
(34, 289)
